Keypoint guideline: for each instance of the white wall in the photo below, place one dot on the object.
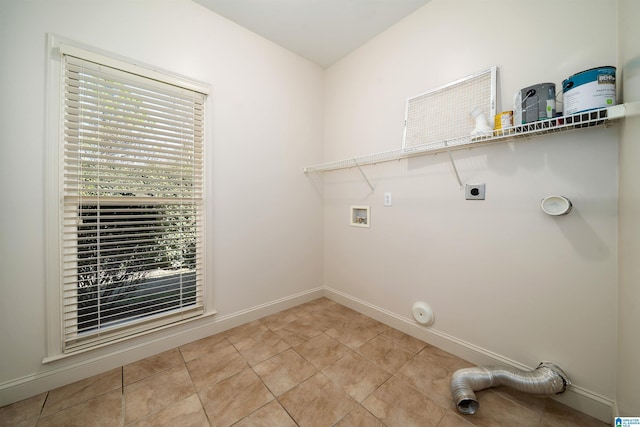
(264, 218)
(628, 397)
(503, 278)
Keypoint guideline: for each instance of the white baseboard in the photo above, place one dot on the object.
(56, 375)
(575, 397)
(616, 411)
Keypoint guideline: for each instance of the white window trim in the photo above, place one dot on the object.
(56, 46)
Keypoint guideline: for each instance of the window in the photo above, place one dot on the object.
(131, 227)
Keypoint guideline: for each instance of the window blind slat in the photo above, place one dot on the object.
(80, 243)
(106, 200)
(172, 125)
(138, 132)
(90, 90)
(134, 155)
(107, 247)
(79, 66)
(69, 273)
(158, 286)
(89, 141)
(102, 184)
(78, 105)
(111, 158)
(170, 172)
(92, 98)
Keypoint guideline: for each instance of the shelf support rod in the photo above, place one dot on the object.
(455, 169)
(363, 175)
(453, 165)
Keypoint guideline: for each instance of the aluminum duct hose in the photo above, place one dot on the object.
(547, 378)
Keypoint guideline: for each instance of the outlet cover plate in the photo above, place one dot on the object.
(474, 191)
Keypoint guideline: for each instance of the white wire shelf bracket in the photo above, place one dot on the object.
(599, 117)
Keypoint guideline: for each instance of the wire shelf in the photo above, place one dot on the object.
(599, 117)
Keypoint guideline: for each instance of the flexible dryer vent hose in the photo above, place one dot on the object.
(547, 378)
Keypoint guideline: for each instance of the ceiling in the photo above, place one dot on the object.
(322, 31)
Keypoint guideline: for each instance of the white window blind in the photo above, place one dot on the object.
(132, 232)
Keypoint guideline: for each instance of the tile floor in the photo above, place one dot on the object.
(317, 364)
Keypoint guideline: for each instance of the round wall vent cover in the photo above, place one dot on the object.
(556, 205)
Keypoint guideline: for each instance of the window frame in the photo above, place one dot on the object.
(57, 47)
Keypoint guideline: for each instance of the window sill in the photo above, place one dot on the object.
(62, 356)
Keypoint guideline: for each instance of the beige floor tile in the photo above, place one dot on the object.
(342, 310)
(531, 401)
(298, 331)
(80, 391)
(151, 365)
(216, 366)
(282, 318)
(284, 371)
(270, 415)
(360, 319)
(325, 321)
(322, 304)
(154, 393)
(245, 332)
(452, 419)
(317, 402)
(385, 353)
(355, 331)
(102, 411)
(234, 398)
(357, 376)
(204, 347)
(322, 350)
(23, 422)
(359, 417)
(496, 410)
(332, 315)
(184, 413)
(429, 378)
(314, 305)
(23, 413)
(558, 415)
(260, 347)
(444, 359)
(395, 403)
(409, 343)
